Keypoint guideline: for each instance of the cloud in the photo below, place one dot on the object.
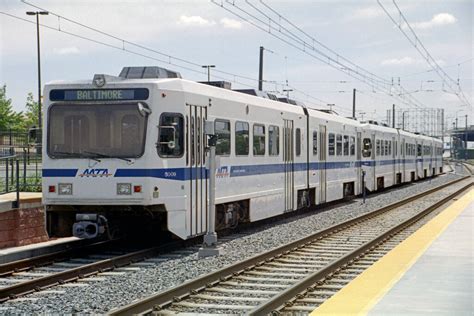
(398, 61)
(231, 23)
(439, 19)
(67, 50)
(195, 20)
(406, 61)
(367, 13)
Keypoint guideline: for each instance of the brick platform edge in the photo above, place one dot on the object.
(23, 226)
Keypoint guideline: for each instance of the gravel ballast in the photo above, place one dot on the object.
(139, 280)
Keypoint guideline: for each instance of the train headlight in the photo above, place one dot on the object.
(124, 188)
(65, 189)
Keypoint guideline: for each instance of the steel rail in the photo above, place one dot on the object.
(309, 282)
(42, 260)
(184, 290)
(73, 274)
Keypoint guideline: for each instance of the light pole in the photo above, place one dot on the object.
(208, 71)
(38, 13)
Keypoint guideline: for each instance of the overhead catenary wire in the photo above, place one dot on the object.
(418, 45)
(171, 60)
(279, 31)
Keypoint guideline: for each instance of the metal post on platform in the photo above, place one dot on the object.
(16, 204)
(209, 247)
(465, 141)
(6, 175)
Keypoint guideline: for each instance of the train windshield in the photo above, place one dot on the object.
(96, 130)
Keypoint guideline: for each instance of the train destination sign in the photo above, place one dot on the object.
(98, 94)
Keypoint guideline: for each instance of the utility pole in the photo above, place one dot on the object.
(362, 116)
(330, 106)
(354, 103)
(208, 71)
(38, 13)
(287, 92)
(393, 116)
(260, 70)
(465, 140)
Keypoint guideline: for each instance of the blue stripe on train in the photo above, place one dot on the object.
(183, 174)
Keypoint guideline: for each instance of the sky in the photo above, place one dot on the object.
(202, 32)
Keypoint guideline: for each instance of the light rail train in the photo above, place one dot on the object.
(130, 151)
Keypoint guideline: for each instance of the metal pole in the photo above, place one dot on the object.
(260, 70)
(209, 246)
(403, 120)
(393, 116)
(39, 72)
(456, 122)
(465, 140)
(16, 204)
(354, 103)
(6, 175)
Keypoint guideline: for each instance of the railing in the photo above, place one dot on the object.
(20, 161)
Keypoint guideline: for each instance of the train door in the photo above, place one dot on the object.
(403, 155)
(288, 160)
(198, 193)
(359, 162)
(394, 161)
(322, 163)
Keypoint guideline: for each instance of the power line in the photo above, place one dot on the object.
(324, 55)
(171, 60)
(416, 42)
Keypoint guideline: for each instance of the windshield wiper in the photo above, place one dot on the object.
(76, 155)
(107, 156)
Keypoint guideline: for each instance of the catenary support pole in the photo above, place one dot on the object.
(354, 104)
(260, 70)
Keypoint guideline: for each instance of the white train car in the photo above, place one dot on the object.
(128, 154)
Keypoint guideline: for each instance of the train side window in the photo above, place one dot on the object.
(331, 141)
(339, 145)
(377, 150)
(418, 150)
(386, 148)
(315, 143)
(389, 147)
(298, 141)
(258, 140)
(382, 148)
(222, 130)
(273, 140)
(171, 135)
(395, 148)
(353, 148)
(241, 138)
(346, 145)
(367, 147)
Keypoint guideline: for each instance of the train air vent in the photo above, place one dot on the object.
(148, 72)
(220, 84)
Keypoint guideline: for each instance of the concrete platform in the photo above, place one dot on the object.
(7, 199)
(430, 273)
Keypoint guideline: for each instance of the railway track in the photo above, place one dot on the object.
(39, 273)
(298, 276)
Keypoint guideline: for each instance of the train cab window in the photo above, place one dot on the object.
(353, 145)
(315, 143)
(418, 150)
(171, 136)
(339, 145)
(222, 130)
(331, 142)
(258, 140)
(273, 140)
(346, 145)
(377, 150)
(241, 138)
(367, 147)
(298, 141)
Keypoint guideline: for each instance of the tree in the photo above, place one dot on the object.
(9, 119)
(30, 118)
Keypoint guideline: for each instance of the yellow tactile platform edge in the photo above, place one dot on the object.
(361, 295)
